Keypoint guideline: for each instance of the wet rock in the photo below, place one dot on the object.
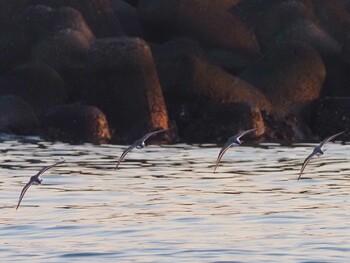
(201, 20)
(128, 17)
(190, 78)
(124, 84)
(17, 116)
(66, 49)
(98, 14)
(75, 124)
(206, 122)
(332, 115)
(291, 75)
(38, 84)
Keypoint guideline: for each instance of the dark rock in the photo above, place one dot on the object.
(124, 84)
(15, 49)
(38, 22)
(251, 11)
(204, 122)
(232, 62)
(132, 2)
(177, 47)
(38, 84)
(128, 17)
(66, 49)
(290, 75)
(99, 15)
(225, 4)
(191, 78)
(201, 20)
(281, 16)
(75, 124)
(17, 116)
(308, 32)
(334, 17)
(332, 115)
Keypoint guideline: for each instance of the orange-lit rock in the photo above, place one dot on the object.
(76, 124)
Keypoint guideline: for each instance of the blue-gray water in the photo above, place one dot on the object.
(164, 204)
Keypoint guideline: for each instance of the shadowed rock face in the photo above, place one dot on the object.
(280, 16)
(290, 75)
(38, 22)
(99, 14)
(38, 84)
(66, 49)
(334, 16)
(331, 115)
(75, 124)
(129, 19)
(192, 78)
(17, 116)
(200, 20)
(203, 122)
(124, 83)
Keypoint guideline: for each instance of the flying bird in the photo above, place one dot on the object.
(138, 144)
(232, 141)
(318, 151)
(35, 179)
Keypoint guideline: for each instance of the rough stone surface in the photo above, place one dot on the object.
(332, 115)
(290, 75)
(191, 78)
(334, 16)
(38, 84)
(66, 49)
(75, 124)
(98, 14)
(203, 122)
(129, 19)
(124, 84)
(38, 22)
(200, 20)
(17, 116)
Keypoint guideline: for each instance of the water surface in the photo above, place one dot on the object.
(164, 204)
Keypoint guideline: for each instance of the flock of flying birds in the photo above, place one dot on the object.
(140, 143)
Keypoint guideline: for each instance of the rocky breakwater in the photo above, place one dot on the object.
(112, 70)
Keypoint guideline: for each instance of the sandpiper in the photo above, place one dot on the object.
(138, 144)
(35, 180)
(232, 141)
(318, 151)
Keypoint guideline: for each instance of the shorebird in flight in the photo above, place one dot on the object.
(318, 151)
(35, 180)
(232, 141)
(138, 144)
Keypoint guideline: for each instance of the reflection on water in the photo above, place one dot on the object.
(164, 203)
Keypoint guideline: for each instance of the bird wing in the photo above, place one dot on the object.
(239, 135)
(221, 153)
(121, 158)
(306, 161)
(330, 138)
(24, 190)
(144, 138)
(44, 169)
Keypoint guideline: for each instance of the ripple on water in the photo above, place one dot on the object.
(166, 204)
